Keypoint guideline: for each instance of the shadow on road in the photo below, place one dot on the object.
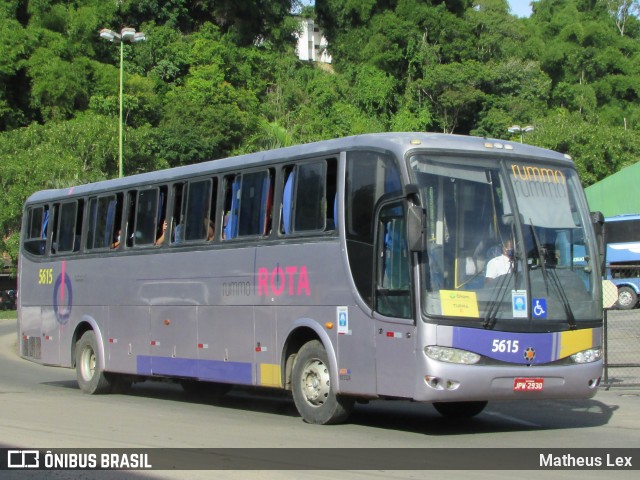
(400, 415)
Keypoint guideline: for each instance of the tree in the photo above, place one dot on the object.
(621, 11)
(454, 91)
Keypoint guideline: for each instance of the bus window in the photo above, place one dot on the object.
(393, 295)
(310, 207)
(231, 203)
(248, 204)
(105, 217)
(198, 211)
(69, 227)
(255, 203)
(150, 216)
(308, 199)
(332, 194)
(177, 217)
(131, 217)
(35, 238)
(211, 220)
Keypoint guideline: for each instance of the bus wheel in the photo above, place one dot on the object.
(313, 394)
(91, 379)
(459, 409)
(627, 298)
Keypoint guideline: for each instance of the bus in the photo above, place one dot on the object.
(622, 236)
(341, 271)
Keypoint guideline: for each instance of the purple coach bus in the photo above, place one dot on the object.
(430, 267)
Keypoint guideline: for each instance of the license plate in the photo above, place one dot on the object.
(528, 384)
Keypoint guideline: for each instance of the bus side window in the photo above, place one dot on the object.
(392, 295)
(255, 203)
(131, 218)
(210, 223)
(146, 217)
(105, 216)
(35, 238)
(150, 216)
(287, 200)
(66, 234)
(114, 224)
(309, 197)
(332, 194)
(198, 207)
(310, 204)
(231, 206)
(177, 217)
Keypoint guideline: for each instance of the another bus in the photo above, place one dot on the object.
(622, 236)
(344, 270)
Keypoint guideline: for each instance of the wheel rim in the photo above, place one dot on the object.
(316, 383)
(88, 363)
(624, 298)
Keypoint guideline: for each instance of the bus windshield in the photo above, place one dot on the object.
(506, 244)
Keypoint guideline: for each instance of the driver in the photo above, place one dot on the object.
(502, 264)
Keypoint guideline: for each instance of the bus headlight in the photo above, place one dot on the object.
(451, 355)
(587, 356)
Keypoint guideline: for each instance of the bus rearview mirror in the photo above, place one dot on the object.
(415, 228)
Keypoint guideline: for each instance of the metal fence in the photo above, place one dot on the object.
(622, 333)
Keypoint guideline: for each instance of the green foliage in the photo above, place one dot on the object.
(598, 149)
(220, 77)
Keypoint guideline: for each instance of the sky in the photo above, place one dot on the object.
(520, 8)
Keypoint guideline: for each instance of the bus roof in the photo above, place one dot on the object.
(398, 143)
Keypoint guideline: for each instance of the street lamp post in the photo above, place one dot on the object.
(520, 130)
(130, 35)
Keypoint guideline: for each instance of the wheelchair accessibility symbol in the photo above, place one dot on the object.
(539, 307)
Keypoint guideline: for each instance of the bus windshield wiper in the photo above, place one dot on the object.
(501, 291)
(496, 301)
(555, 281)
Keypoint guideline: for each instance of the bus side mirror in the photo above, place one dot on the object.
(415, 228)
(597, 219)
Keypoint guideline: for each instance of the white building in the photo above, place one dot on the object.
(312, 45)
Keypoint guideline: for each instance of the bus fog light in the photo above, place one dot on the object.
(587, 356)
(433, 382)
(440, 383)
(452, 385)
(451, 355)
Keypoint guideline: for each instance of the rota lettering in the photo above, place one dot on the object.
(290, 280)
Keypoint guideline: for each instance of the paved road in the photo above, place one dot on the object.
(43, 408)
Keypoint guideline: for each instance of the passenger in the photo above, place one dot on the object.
(116, 242)
(160, 239)
(502, 264)
(208, 224)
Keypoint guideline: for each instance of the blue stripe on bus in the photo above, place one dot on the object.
(213, 370)
(507, 346)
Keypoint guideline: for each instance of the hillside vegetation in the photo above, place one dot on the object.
(220, 77)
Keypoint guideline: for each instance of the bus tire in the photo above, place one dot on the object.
(313, 393)
(459, 409)
(91, 379)
(627, 298)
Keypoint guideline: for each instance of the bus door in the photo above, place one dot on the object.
(392, 301)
